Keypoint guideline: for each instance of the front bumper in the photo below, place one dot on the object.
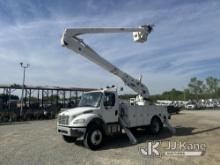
(71, 131)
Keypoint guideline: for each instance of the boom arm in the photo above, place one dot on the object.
(70, 40)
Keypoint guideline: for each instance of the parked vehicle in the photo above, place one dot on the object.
(173, 109)
(101, 113)
(190, 106)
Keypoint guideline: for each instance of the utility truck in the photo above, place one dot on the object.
(101, 113)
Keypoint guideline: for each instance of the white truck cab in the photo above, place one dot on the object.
(100, 103)
(101, 107)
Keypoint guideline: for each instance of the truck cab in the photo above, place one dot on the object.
(96, 109)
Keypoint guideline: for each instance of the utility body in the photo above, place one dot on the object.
(101, 113)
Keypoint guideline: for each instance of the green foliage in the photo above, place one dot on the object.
(127, 96)
(203, 90)
(31, 98)
(197, 89)
(169, 95)
(212, 85)
(51, 98)
(5, 97)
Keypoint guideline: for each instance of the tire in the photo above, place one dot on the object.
(69, 139)
(94, 138)
(155, 126)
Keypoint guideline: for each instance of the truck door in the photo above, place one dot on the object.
(110, 110)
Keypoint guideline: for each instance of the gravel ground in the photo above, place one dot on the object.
(36, 142)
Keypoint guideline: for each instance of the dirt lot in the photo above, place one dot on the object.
(37, 142)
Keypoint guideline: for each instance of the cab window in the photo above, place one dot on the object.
(109, 99)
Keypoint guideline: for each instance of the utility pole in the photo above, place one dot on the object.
(184, 94)
(23, 85)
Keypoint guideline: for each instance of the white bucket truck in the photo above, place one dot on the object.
(101, 113)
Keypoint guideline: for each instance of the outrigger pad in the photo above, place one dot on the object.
(131, 137)
(169, 126)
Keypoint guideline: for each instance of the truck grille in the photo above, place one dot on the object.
(63, 120)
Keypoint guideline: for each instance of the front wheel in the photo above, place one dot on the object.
(69, 139)
(93, 138)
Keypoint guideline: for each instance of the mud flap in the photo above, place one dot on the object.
(131, 137)
(169, 126)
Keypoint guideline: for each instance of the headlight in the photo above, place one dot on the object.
(78, 121)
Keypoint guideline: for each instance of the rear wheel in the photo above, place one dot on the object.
(94, 138)
(69, 139)
(155, 126)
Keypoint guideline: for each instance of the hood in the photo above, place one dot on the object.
(78, 110)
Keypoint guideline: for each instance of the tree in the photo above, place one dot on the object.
(6, 97)
(172, 95)
(212, 85)
(51, 98)
(218, 93)
(186, 94)
(195, 87)
(196, 90)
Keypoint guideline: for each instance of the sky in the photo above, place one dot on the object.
(185, 42)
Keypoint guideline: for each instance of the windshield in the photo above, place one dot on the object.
(90, 99)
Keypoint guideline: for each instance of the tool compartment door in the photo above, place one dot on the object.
(135, 115)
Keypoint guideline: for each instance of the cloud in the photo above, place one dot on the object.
(184, 42)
